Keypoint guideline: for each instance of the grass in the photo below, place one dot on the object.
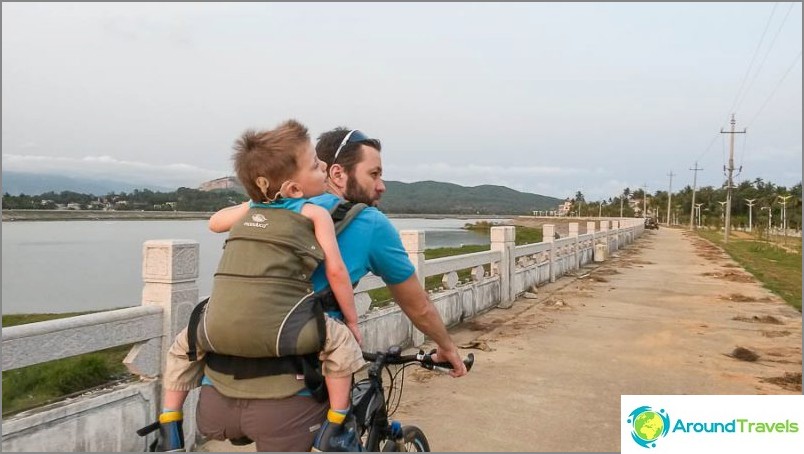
(777, 269)
(33, 386)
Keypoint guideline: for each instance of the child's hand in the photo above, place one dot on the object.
(356, 331)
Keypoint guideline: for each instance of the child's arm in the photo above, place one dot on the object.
(335, 269)
(224, 219)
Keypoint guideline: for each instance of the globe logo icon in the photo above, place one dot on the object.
(648, 425)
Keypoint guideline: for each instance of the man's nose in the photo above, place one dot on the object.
(381, 186)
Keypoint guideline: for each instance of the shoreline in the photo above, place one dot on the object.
(99, 215)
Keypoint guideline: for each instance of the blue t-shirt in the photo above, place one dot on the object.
(294, 205)
(370, 243)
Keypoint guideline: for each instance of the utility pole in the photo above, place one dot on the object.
(644, 200)
(698, 209)
(750, 218)
(730, 170)
(622, 198)
(694, 181)
(669, 196)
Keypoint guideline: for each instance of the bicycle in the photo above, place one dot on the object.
(375, 429)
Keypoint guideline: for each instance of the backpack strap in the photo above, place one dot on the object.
(344, 213)
(192, 330)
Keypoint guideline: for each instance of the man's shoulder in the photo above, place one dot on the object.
(328, 201)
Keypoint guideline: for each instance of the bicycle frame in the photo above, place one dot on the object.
(370, 409)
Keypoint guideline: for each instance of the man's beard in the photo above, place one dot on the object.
(355, 193)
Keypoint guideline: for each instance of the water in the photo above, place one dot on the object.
(73, 266)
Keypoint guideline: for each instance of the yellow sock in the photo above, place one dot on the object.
(335, 417)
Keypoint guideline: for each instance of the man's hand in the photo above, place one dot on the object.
(356, 332)
(454, 358)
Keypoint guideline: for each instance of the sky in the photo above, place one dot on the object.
(548, 98)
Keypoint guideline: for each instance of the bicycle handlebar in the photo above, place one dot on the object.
(394, 356)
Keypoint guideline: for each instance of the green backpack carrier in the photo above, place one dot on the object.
(262, 317)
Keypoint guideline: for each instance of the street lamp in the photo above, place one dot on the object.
(698, 212)
(750, 210)
(722, 210)
(784, 212)
(770, 215)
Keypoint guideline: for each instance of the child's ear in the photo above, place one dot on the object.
(292, 190)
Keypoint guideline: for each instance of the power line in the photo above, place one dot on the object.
(751, 64)
(759, 68)
(773, 92)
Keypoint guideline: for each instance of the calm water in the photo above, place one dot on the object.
(72, 266)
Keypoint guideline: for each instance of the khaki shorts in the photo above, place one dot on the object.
(341, 356)
(288, 424)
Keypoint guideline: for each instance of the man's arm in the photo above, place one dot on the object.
(224, 219)
(412, 299)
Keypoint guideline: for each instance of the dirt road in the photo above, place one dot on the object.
(669, 315)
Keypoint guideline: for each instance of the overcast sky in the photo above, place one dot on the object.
(547, 98)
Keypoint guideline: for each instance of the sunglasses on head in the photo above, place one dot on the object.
(353, 136)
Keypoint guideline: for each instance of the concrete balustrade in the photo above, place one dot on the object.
(106, 420)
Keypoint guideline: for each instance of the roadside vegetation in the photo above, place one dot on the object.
(777, 266)
(33, 386)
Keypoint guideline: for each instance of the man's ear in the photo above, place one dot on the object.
(337, 175)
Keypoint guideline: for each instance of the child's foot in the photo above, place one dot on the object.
(337, 434)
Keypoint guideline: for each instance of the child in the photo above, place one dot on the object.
(280, 171)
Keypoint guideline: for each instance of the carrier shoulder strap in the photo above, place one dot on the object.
(192, 330)
(344, 213)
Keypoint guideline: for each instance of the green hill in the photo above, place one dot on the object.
(433, 197)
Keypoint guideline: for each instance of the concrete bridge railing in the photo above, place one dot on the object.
(106, 419)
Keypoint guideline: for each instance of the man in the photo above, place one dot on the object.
(277, 412)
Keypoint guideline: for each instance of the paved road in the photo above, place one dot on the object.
(660, 318)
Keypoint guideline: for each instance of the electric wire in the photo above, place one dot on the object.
(762, 63)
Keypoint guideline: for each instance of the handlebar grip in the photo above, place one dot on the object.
(468, 362)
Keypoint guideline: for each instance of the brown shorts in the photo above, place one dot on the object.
(288, 424)
(341, 356)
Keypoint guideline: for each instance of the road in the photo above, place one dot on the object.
(670, 314)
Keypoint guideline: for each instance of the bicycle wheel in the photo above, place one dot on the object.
(413, 441)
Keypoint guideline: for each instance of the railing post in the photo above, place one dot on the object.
(548, 236)
(169, 270)
(573, 233)
(604, 233)
(502, 239)
(413, 241)
(615, 225)
(590, 228)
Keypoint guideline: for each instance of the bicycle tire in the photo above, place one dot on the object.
(414, 441)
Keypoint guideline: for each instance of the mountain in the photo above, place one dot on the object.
(433, 197)
(423, 197)
(16, 183)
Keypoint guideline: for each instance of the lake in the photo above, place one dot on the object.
(73, 266)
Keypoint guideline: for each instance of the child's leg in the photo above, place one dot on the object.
(339, 389)
(340, 358)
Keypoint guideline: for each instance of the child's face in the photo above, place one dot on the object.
(311, 175)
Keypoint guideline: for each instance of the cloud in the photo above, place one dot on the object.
(109, 167)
